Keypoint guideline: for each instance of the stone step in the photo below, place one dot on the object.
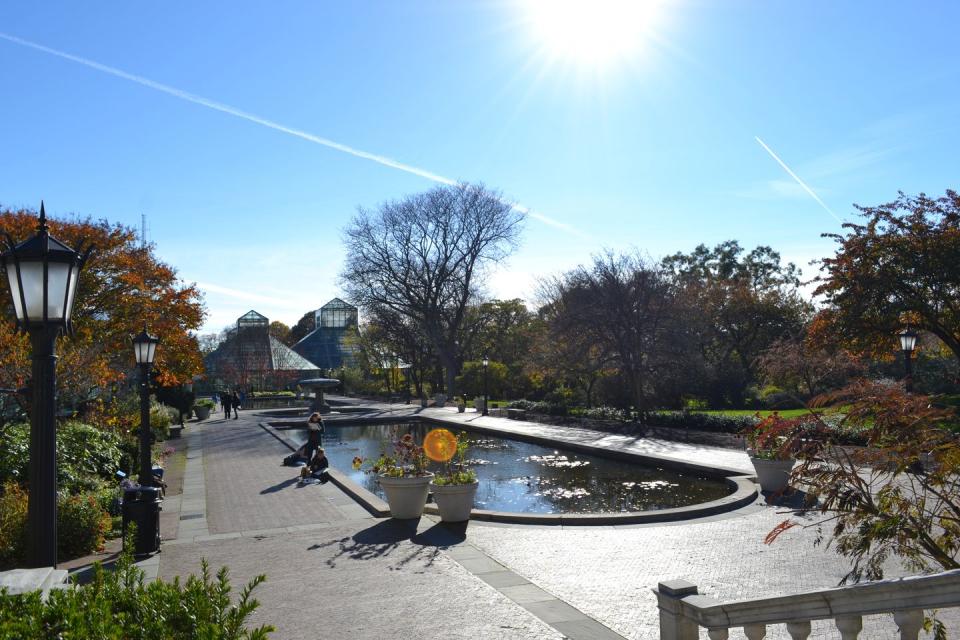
(26, 580)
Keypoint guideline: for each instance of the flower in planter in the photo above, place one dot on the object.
(455, 469)
(407, 460)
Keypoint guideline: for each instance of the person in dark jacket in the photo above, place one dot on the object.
(314, 434)
(317, 468)
(225, 402)
(235, 403)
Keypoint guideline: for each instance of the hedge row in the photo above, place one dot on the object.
(701, 421)
(121, 604)
(708, 422)
(677, 419)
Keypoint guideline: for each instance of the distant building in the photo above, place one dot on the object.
(251, 359)
(327, 346)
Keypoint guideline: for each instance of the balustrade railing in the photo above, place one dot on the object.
(683, 611)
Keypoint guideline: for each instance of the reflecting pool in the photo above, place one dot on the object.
(530, 478)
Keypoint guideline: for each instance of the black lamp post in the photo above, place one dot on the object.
(144, 350)
(908, 340)
(42, 273)
(486, 385)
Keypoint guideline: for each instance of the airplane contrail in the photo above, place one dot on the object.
(245, 295)
(299, 133)
(797, 178)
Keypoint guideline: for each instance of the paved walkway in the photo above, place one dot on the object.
(335, 572)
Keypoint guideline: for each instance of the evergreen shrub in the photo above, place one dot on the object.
(700, 421)
(13, 525)
(84, 453)
(121, 604)
(82, 525)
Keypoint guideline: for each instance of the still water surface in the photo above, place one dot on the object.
(530, 478)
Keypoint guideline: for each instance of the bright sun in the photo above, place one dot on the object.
(592, 33)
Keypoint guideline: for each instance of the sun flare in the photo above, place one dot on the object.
(594, 33)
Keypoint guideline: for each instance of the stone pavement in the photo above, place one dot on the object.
(335, 572)
(332, 570)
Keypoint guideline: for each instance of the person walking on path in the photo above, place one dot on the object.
(314, 435)
(235, 403)
(225, 402)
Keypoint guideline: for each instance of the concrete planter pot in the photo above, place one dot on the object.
(454, 501)
(407, 495)
(461, 408)
(772, 475)
(202, 413)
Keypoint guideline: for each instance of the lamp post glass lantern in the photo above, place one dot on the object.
(42, 274)
(144, 350)
(486, 385)
(908, 342)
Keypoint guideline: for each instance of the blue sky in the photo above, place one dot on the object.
(654, 149)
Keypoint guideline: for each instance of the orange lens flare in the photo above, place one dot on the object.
(440, 445)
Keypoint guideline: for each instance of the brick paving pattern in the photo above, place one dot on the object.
(361, 582)
(335, 572)
(248, 488)
(608, 572)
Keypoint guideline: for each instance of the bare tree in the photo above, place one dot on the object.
(623, 312)
(423, 257)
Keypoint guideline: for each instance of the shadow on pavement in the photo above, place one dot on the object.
(442, 534)
(85, 575)
(382, 540)
(793, 499)
(389, 531)
(279, 486)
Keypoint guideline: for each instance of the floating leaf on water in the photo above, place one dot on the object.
(556, 461)
(565, 494)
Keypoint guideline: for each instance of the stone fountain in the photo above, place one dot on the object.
(317, 385)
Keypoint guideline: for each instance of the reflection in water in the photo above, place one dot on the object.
(529, 478)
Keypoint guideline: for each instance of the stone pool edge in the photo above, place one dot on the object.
(745, 489)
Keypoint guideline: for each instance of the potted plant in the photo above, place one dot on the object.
(455, 487)
(461, 404)
(202, 408)
(773, 446)
(403, 476)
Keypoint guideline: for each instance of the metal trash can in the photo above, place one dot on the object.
(142, 507)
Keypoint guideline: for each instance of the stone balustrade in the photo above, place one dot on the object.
(683, 611)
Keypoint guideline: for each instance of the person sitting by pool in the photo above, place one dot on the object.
(317, 468)
(314, 434)
(298, 458)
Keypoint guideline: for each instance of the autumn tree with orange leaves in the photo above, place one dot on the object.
(902, 265)
(121, 287)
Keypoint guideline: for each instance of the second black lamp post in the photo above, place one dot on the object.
(144, 350)
(486, 385)
(908, 341)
